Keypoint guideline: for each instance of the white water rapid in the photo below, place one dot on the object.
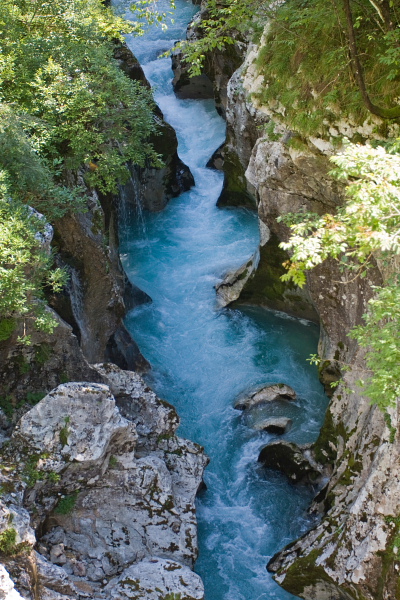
(203, 357)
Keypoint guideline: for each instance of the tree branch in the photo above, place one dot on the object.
(384, 113)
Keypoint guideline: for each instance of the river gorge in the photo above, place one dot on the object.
(202, 357)
(163, 432)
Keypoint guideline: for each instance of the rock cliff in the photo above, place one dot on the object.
(96, 480)
(353, 551)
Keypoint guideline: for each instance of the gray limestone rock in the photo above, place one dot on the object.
(289, 458)
(15, 521)
(155, 578)
(153, 418)
(7, 589)
(263, 395)
(229, 289)
(105, 497)
(75, 422)
(278, 425)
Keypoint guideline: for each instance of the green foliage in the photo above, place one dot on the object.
(54, 477)
(31, 179)
(66, 504)
(43, 353)
(35, 397)
(31, 474)
(367, 223)
(306, 66)
(8, 545)
(74, 105)
(7, 406)
(7, 326)
(304, 58)
(65, 105)
(381, 336)
(24, 266)
(226, 22)
(64, 432)
(8, 541)
(113, 462)
(367, 226)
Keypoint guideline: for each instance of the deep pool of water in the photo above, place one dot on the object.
(202, 357)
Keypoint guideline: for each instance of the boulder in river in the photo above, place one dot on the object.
(290, 459)
(264, 394)
(278, 425)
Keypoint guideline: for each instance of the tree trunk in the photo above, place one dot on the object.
(384, 113)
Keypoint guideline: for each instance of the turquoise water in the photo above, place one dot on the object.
(203, 357)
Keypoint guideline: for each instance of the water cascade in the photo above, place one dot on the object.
(203, 357)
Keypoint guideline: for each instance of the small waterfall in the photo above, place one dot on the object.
(131, 204)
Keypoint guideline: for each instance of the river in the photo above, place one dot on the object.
(202, 357)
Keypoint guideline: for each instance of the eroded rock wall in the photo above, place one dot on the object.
(95, 478)
(352, 553)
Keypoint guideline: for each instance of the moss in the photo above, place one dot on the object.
(7, 406)
(66, 504)
(266, 285)
(266, 288)
(64, 432)
(234, 192)
(35, 397)
(392, 429)
(98, 222)
(64, 377)
(388, 579)
(7, 487)
(22, 364)
(242, 275)
(43, 353)
(303, 573)
(134, 584)
(324, 447)
(7, 326)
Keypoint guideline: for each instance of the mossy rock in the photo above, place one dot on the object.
(288, 458)
(265, 287)
(234, 191)
(306, 579)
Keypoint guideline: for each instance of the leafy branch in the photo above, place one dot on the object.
(367, 226)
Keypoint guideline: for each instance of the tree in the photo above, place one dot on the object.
(366, 227)
(25, 266)
(320, 59)
(74, 104)
(65, 105)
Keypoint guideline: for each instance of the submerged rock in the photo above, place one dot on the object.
(278, 425)
(232, 284)
(264, 394)
(290, 459)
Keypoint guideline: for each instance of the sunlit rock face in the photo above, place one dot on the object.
(108, 485)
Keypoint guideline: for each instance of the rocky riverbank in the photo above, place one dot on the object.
(352, 553)
(98, 494)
